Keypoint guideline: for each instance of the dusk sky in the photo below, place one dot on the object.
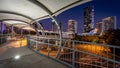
(102, 9)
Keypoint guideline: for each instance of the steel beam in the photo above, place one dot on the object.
(36, 2)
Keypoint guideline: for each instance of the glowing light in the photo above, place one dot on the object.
(17, 42)
(17, 57)
(96, 30)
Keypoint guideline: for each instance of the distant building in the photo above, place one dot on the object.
(99, 27)
(72, 27)
(106, 24)
(88, 19)
(2, 27)
(109, 23)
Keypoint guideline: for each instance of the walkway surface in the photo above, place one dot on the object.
(28, 58)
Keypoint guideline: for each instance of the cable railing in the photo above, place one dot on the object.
(77, 54)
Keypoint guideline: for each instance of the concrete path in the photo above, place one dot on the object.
(28, 59)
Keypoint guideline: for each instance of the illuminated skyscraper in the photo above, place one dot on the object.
(109, 23)
(99, 27)
(106, 24)
(72, 26)
(88, 19)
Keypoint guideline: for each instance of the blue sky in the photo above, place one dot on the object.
(103, 8)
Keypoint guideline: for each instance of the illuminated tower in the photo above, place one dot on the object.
(72, 26)
(99, 27)
(88, 19)
(109, 23)
(106, 24)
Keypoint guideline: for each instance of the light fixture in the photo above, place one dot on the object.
(17, 57)
(17, 42)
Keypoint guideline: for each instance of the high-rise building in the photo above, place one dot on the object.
(72, 26)
(109, 23)
(99, 27)
(106, 24)
(88, 19)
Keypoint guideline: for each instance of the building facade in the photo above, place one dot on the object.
(72, 27)
(99, 27)
(107, 23)
(88, 19)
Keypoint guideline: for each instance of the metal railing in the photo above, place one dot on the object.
(8, 38)
(4, 38)
(77, 54)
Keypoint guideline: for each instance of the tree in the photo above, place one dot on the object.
(112, 37)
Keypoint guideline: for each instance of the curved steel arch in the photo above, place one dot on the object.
(43, 33)
(14, 20)
(8, 12)
(24, 26)
(18, 20)
(39, 25)
(24, 22)
(14, 13)
(53, 17)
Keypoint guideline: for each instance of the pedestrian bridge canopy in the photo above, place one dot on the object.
(24, 14)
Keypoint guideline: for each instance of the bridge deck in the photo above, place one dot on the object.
(28, 59)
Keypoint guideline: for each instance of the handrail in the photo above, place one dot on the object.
(71, 51)
(80, 42)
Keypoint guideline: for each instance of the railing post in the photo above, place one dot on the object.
(0, 39)
(20, 42)
(28, 40)
(73, 55)
(101, 51)
(59, 48)
(36, 43)
(107, 56)
(114, 57)
(48, 48)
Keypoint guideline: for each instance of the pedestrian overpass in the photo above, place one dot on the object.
(26, 14)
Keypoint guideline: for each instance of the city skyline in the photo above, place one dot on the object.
(76, 13)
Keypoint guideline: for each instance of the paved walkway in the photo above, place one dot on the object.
(28, 58)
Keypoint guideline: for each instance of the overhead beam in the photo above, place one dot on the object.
(14, 20)
(15, 13)
(24, 26)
